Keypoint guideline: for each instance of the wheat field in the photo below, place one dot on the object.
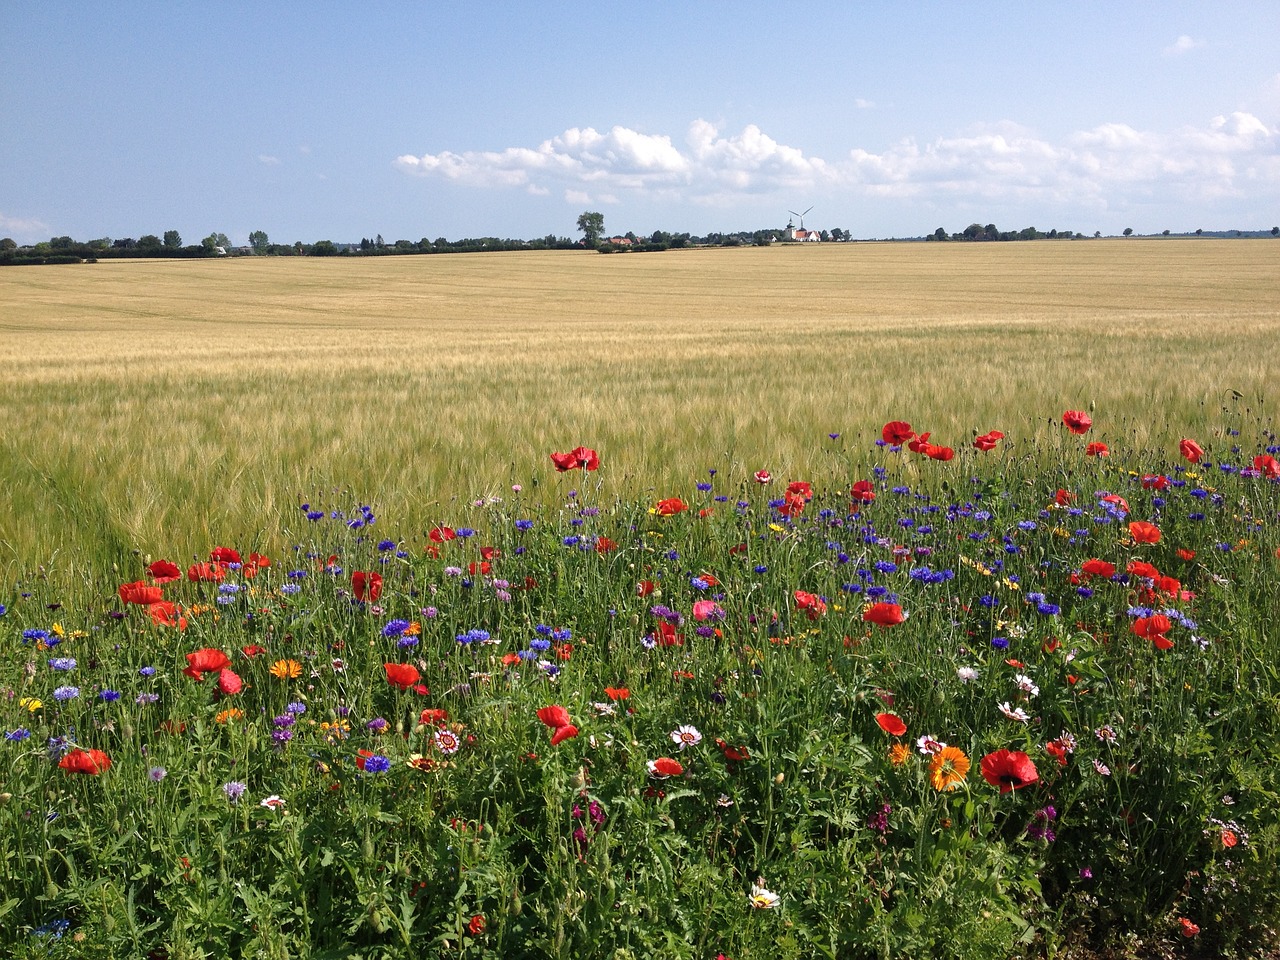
(162, 406)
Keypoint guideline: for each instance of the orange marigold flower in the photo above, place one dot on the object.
(948, 768)
(286, 669)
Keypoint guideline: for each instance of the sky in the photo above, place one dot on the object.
(340, 121)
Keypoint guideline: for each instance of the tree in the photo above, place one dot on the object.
(8, 243)
(1275, 231)
(214, 240)
(258, 240)
(172, 239)
(1128, 231)
(149, 242)
(592, 226)
(324, 248)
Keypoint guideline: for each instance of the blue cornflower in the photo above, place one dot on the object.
(17, 736)
(1027, 525)
(110, 696)
(523, 525)
(385, 545)
(395, 628)
(66, 693)
(561, 635)
(698, 583)
(296, 574)
(30, 635)
(885, 566)
(1000, 643)
(760, 568)
(62, 663)
(296, 708)
(1048, 609)
(465, 532)
(704, 487)
(289, 589)
(539, 644)
(571, 541)
(376, 764)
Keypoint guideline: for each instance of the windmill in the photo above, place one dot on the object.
(800, 215)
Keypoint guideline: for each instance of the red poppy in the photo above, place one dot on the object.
(583, 457)
(253, 650)
(483, 567)
(229, 682)
(476, 925)
(205, 661)
(402, 675)
(884, 614)
(224, 555)
(1155, 481)
(812, 604)
(733, 754)
(1154, 628)
(366, 586)
(934, 452)
(163, 571)
(1187, 928)
(1140, 568)
(140, 592)
(1096, 449)
(644, 588)
(864, 491)
(1077, 421)
(563, 733)
(919, 444)
(167, 614)
(206, 571)
(897, 432)
(1169, 585)
(554, 716)
(1190, 450)
(442, 534)
(1098, 568)
(891, 724)
(763, 476)
(1186, 554)
(434, 716)
(1143, 532)
(792, 505)
(605, 545)
(671, 506)
(666, 636)
(665, 767)
(91, 762)
(1063, 498)
(1268, 466)
(1116, 500)
(617, 693)
(256, 562)
(988, 441)
(1009, 770)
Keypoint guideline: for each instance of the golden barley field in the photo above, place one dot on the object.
(163, 406)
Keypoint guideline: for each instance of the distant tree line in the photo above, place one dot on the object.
(978, 232)
(68, 250)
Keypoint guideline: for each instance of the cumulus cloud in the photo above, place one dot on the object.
(1183, 44)
(1231, 155)
(24, 228)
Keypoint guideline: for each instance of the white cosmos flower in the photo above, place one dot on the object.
(686, 736)
(967, 674)
(1026, 685)
(761, 898)
(1015, 713)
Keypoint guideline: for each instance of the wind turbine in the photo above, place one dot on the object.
(800, 215)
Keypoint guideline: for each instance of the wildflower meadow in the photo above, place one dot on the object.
(977, 698)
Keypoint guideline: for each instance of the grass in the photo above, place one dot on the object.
(160, 410)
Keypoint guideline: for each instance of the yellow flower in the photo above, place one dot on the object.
(31, 703)
(57, 630)
(228, 715)
(948, 768)
(286, 669)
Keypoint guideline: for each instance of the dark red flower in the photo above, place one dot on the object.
(897, 432)
(224, 555)
(1077, 421)
(1140, 568)
(1155, 481)
(163, 571)
(1009, 770)
(140, 592)
(402, 675)
(90, 762)
(366, 586)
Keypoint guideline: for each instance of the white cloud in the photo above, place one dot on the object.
(1183, 44)
(862, 104)
(268, 161)
(1232, 155)
(24, 228)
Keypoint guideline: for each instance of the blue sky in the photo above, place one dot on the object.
(339, 121)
